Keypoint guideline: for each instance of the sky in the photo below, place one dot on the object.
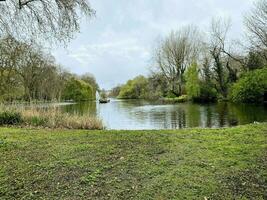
(117, 44)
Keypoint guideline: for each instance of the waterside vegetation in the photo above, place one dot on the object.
(52, 118)
(207, 66)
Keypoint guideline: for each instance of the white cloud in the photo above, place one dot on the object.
(125, 49)
(117, 44)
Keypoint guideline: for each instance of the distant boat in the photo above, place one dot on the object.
(104, 100)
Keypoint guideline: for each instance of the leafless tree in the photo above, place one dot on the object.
(10, 82)
(27, 72)
(256, 23)
(175, 54)
(225, 64)
(52, 20)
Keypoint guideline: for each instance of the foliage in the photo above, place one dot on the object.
(134, 89)
(28, 73)
(78, 90)
(252, 87)
(171, 95)
(255, 60)
(10, 118)
(115, 91)
(207, 93)
(192, 82)
(228, 163)
(90, 79)
(157, 86)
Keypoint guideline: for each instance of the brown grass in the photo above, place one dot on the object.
(54, 118)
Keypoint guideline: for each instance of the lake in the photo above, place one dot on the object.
(139, 114)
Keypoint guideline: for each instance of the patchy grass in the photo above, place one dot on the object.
(184, 164)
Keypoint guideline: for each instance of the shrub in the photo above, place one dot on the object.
(207, 94)
(171, 95)
(251, 87)
(10, 118)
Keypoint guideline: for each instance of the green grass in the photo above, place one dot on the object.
(184, 164)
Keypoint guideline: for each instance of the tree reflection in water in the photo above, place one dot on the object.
(138, 114)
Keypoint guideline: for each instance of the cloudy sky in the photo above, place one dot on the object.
(117, 44)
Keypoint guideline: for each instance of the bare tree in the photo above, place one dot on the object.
(225, 64)
(256, 23)
(53, 20)
(175, 54)
(9, 79)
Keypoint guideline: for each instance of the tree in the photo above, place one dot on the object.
(175, 54)
(135, 89)
(78, 90)
(206, 70)
(256, 23)
(157, 86)
(115, 91)
(255, 60)
(10, 82)
(192, 82)
(225, 72)
(28, 73)
(90, 79)
(53, 20)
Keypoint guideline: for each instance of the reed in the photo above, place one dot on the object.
(47, 118)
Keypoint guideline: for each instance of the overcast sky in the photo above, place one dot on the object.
(117, 44)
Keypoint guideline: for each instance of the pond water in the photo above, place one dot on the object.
(138, 114)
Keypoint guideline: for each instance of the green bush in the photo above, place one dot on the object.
(207, 94)
(251, 87)
(171, 95)
(10, 118)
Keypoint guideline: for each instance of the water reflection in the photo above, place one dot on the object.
(133, 114)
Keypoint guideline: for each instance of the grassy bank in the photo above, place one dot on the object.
(184, 164)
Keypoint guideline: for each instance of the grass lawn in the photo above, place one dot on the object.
(226, 163)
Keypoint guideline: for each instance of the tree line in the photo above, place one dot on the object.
(206, 67)
(28, 73)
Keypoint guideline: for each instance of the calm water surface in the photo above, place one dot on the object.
(136, 114)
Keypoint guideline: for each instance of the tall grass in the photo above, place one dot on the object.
(49, 118)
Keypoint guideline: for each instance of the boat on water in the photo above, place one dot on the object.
(104, 100)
